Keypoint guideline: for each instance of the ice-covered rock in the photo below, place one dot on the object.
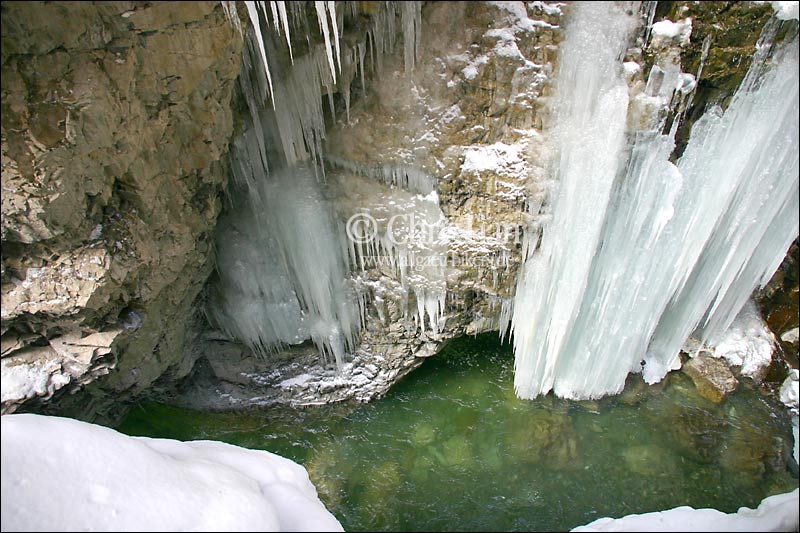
(747, 343)
(790, 390)
(791, 336)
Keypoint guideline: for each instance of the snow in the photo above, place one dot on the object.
(470, 72)
(791, 336)
(553, 9)
(23, 380)
(631, 68)
(790, 396)
(519, 16)
(786, 10)
(60, 474)
(790, 390)
(665, 31)
(501, 158)
(748, 342)
(775, 513)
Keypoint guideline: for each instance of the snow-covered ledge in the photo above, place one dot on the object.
(776, 513)
(60, 474)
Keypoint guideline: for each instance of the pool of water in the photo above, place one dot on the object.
(451, 448)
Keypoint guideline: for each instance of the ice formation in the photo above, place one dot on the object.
(590, 134)
(60, 474)
(642, 253)
(281, 256)
(406, 235)
(747, 343)
(282, 271)
(404, 176)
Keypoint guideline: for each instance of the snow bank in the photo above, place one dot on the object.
(60, 474)
(776, 513)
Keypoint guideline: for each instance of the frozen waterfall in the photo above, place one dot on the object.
(640, 253)
(282, 256)
(283, 275)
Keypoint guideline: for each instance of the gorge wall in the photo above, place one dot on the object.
(117, 119)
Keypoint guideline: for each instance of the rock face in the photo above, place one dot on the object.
(116, 118)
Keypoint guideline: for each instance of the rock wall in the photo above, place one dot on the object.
(116, 121)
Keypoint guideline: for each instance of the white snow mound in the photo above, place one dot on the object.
(60, 474)
(775, 513)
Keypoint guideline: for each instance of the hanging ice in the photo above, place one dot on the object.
(747, 161)
(283, 276)
(665, 252)
(590, 120)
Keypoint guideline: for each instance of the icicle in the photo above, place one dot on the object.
(411, 14)
(332, 14)
(322, 17)
(756, 205)
(404, 176)
(360, 52)
(283, 272)
(285, 21)
(590, 135)
(229, 7)
(253, 14)
(274, 8)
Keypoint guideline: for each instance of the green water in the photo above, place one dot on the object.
(452, 448)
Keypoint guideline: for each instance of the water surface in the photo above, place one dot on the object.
(451, 448)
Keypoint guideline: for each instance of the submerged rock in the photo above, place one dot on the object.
(711, 376)
(542, 436)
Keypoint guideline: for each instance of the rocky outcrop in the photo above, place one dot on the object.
(116, 121)
(779, 302)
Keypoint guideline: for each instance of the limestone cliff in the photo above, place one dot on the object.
(116, 121)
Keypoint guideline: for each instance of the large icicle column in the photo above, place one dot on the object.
(591, 97)
(624, 277)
